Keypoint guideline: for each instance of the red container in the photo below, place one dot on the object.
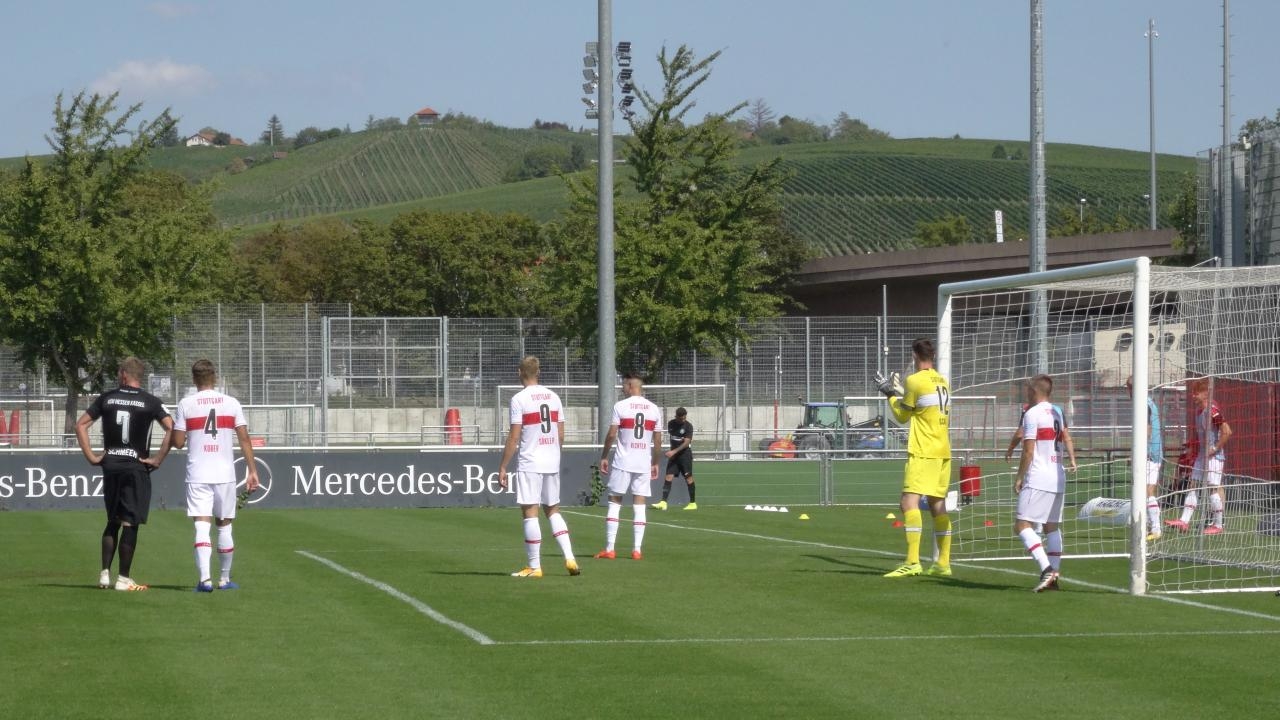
(452, 427)
(970, 481)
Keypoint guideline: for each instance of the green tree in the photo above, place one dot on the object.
(999, 153)
(1255, 127)
(948, 230)
(791, 130)
(168, 135)
(542, 161)
(848, 128)
(274, 134)
(321, 261)
(472, 264)
(703, 247)
(1182, 212)
(96, 254)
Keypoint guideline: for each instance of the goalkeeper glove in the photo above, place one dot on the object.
(891, 386)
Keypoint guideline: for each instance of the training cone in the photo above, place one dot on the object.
(898, 523)
(989, 523)
(783, 509)
(890, 516)
(805, 516)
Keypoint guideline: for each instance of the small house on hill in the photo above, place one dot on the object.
(208, 139)
(427, 116)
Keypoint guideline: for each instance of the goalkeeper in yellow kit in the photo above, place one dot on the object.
(925, 401)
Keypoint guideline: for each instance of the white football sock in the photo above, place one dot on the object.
(560, 529)
(1189, 506)
(1153, 514)
(1215, 505)
(226, 551)
(204, 550)
(533, 542)
(1053, 548)
(638, 524)
(1036, 548)
(611, 525)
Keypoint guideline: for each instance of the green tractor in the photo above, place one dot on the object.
(826, 426)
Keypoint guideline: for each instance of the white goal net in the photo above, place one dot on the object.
(1202, 344)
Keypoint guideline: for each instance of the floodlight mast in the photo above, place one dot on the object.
(606, 347)
(1040, 310)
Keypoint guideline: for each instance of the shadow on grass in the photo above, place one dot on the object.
(470, 572)
(95, 588)
(856, 568)
(881, 569)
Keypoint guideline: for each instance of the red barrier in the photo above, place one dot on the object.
(14, 425)
(4, 429)
(970, 482)
(452, 427)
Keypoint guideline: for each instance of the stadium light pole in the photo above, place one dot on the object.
(1040, 310)
(606, 348)
(1151, 36)
(1224, 162)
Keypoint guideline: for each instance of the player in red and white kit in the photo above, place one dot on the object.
(214, 421)
(1212, 434)
(635, 440)
(1041, 481)
(537, 428)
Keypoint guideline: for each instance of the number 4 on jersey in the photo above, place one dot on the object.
(211, 424)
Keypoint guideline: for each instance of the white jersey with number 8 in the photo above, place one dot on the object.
(1043, 423)
(539, 413)
(636, 418)
(210, 418)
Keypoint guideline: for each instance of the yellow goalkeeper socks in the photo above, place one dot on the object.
(942, 536)
(913, 526)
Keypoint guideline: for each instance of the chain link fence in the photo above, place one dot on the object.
(321, 374)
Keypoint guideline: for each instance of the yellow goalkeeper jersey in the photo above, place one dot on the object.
(926, 402)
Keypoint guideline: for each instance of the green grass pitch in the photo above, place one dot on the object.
(412, 613)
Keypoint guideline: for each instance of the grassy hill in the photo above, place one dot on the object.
(843, 197)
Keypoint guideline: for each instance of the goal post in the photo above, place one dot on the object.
(1172, 330)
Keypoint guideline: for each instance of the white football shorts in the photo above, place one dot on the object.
(621, 482)
(1208, 471)
(1153, 473)
(1039, 506)
(211, 500)
(537, 488)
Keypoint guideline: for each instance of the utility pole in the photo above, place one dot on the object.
(1151, 102)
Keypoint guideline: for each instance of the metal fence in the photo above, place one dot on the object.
(320, 355)
(1254, 172)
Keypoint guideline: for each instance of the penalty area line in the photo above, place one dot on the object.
(899, 638)
(987, 567)
(413, 602)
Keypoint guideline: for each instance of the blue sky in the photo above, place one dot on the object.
(912, 67)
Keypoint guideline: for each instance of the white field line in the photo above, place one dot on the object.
(897, 638)
(413, 602)
(872, 551)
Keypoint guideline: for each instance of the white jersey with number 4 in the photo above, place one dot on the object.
(636, 419)
(540, 414)
(210, 418)
(1043, 423)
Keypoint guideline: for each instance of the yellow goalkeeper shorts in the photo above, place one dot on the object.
(927, 476)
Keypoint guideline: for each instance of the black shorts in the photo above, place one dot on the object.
(126, 491)
(681, 464)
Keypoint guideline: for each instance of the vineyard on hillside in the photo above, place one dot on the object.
(858, 202)
(841, 197)
(367, 170)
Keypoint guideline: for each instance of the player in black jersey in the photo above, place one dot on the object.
(679, 458)
(127, 413)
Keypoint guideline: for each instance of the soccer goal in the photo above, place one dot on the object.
(1173, 330)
